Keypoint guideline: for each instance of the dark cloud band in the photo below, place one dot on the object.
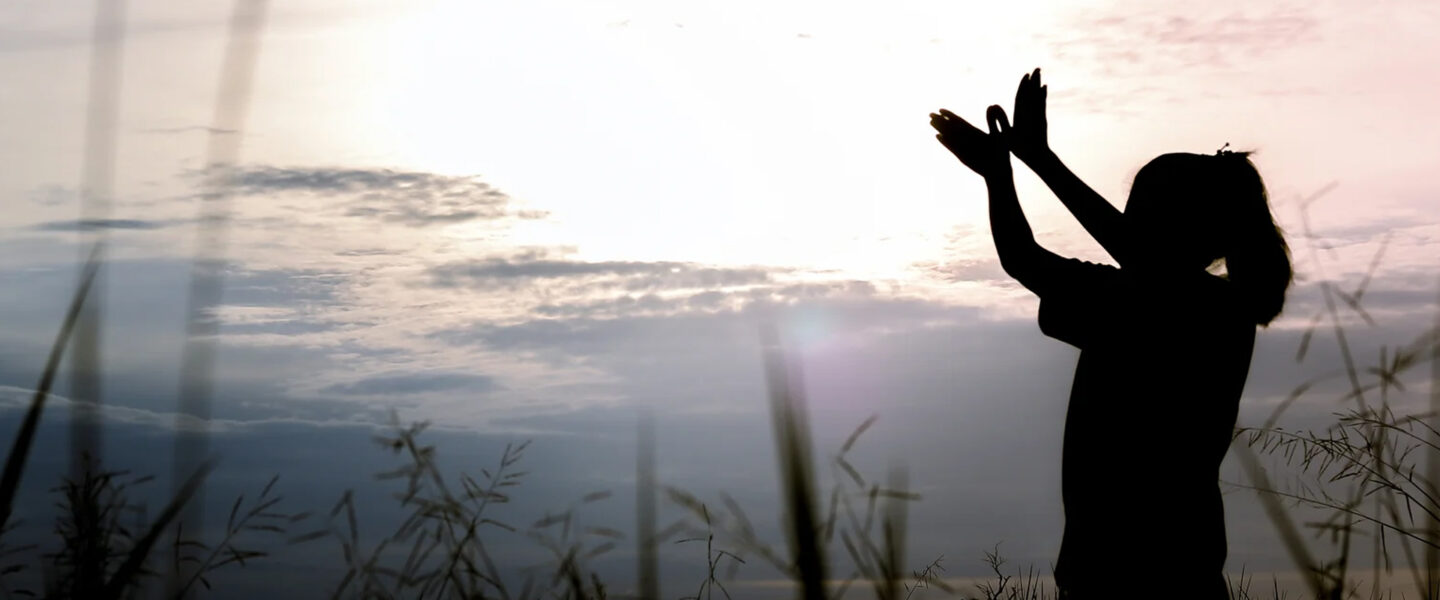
(411, 198)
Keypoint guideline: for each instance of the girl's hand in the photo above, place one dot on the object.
(985, 154)
(1028, 139)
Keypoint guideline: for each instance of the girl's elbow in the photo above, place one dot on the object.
(1019, 270)
(1024, 268)
(1015, 256)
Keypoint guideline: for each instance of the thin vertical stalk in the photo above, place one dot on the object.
(97, 190)
(797, 479)
(25, 438)
(207, 271)
(648, 569)
(1432, 463)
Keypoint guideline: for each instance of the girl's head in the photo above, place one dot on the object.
(1190, 211)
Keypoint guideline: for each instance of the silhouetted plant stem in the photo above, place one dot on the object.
(797, 482)
(20, 449)
(647, 561)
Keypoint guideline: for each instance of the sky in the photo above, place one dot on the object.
(537, 220)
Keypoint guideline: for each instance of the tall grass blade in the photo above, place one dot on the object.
(647, 552)
(206, 275)
(797, 479)
(96, 199)
(894, 525)
(135, 561)
(1432, 463)
(1275, 510)
(855, 435)
(20, 449)
(89, 551)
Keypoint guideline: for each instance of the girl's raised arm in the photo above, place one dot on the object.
(1020, 255)
(1028, 142)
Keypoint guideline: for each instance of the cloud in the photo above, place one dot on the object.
(52, 195)
(980, 270)
(1391, 296)
(711, 301)
(281, 287)
(57, 407)
(1149, 42)
(190, 129)
(829, 314)
(96, 224)
(369, 252)
(1265, 32)
(411, 198)
(414, 383)
(1355, 230)
(628, 275)
(628, 305)
(969, 256)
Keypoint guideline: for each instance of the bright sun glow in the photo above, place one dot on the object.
(744, 136)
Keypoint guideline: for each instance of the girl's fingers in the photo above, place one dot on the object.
(955, 123)
(995, 118)
(956, 130)
(1020, 95)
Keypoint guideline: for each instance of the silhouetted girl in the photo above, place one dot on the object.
(1165, 346)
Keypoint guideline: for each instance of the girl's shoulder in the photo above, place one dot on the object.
(1193, 292)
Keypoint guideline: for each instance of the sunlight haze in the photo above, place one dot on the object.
(534, 219)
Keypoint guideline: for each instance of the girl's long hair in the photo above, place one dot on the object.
(1215, 206)
(1257, 257)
